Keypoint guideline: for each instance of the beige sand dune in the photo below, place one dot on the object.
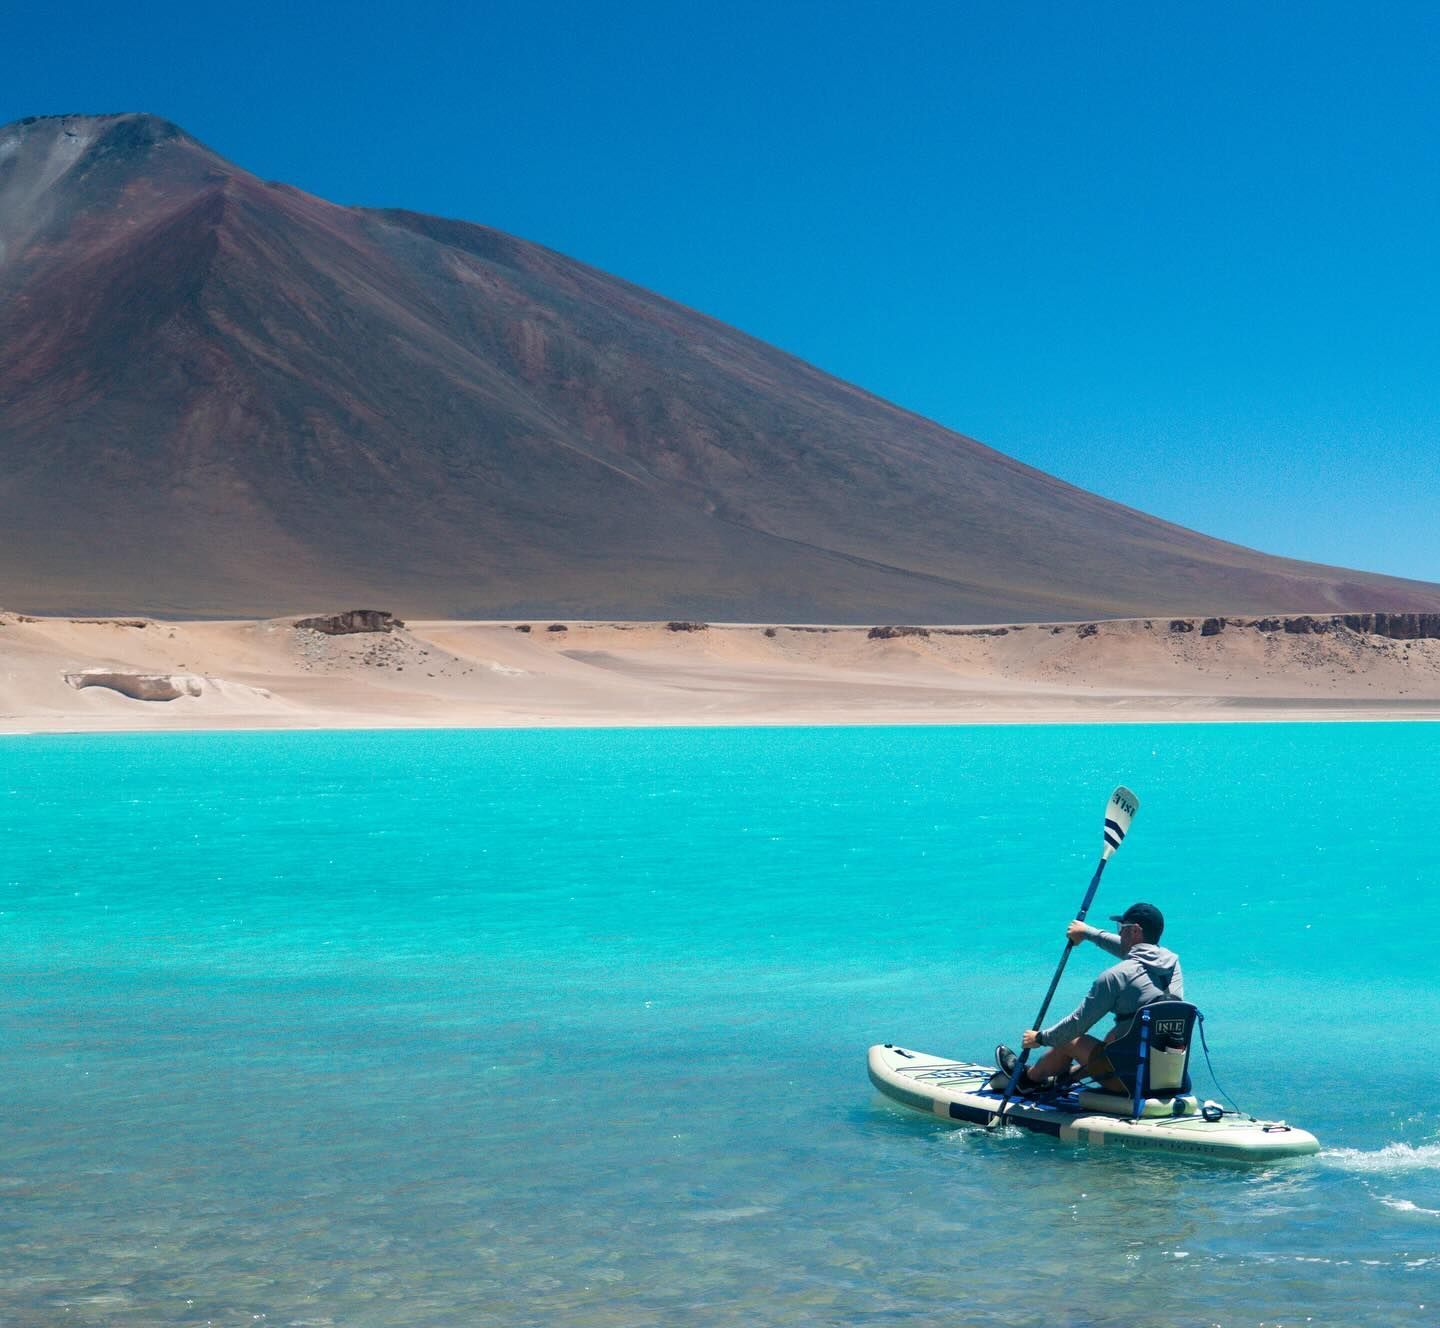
(271, 674)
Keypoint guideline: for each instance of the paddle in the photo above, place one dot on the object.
(1119, 812)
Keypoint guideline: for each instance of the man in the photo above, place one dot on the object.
(1146, 972)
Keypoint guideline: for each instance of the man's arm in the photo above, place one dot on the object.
(1107, 940)
(1097, 1004)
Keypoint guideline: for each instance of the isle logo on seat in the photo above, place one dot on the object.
(1173, 1028)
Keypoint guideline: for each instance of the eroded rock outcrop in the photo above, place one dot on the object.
(139, 686)
(893, 633)
(351, 621)
(1396, 626)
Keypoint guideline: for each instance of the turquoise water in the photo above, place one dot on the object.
(569, 1027)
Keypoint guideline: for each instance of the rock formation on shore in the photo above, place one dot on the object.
(138, 686)
(1394, 626)
(351, 622)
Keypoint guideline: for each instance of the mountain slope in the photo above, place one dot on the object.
(222, 396)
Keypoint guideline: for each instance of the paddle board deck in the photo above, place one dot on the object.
(959, 1091)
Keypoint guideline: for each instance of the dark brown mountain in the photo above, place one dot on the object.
(220, 396)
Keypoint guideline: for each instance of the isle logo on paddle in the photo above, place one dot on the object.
(1119, 812)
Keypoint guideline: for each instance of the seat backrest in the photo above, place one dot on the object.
(1152, 1056)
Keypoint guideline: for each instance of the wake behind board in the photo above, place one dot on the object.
(959, 1091)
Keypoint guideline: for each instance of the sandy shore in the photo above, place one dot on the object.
(62, 674)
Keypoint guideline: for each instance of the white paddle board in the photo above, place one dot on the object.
(959, 1092)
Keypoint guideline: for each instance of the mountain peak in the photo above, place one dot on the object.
(127, 138)
(60, 172)
(137, 127)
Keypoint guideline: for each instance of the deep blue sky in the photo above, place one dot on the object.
(1184, 255)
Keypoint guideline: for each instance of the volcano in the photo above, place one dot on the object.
(225, 397)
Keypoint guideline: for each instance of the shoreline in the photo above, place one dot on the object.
(62, 675)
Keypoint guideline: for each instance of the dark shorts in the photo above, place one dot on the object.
(1126, 1060)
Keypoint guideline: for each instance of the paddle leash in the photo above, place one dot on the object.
(1119, 812)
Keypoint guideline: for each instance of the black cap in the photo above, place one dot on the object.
(1150, 919)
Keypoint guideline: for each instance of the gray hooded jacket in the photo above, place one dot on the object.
(1148, 973)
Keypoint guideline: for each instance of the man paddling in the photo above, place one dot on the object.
(1146, 972)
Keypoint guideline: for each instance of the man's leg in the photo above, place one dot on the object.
(1057, 1059)
(1100, 1069)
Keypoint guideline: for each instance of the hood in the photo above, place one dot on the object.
(1158, 962)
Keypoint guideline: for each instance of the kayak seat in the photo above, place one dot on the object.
(1152, 1056)
(1117, 1104)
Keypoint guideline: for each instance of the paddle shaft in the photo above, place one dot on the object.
(1054, 982)
(1065, 958)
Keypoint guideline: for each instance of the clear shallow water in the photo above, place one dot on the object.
(569, 1027)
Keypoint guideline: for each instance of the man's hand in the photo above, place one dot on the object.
(1077, 932)
(1031, 1040)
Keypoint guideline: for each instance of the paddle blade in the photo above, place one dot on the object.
(1119, 812)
